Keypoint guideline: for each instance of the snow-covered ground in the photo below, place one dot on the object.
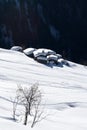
(64, 89)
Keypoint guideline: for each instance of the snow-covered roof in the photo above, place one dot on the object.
(41, 58)
(59, 56)
(64, 62)
(52, 57)
(61, 60)
(17, 48)
(43, 52)
(29, 51)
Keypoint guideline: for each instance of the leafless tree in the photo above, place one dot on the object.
(15, 102)
(14, 107)
(29, 97)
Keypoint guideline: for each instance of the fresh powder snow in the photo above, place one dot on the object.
(64, 92)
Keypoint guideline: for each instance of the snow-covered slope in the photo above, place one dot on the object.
(64, 89)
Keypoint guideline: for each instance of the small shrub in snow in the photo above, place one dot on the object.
(17, 48)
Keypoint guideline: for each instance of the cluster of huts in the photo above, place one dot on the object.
(45, 56)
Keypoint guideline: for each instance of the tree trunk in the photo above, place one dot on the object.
(26, 117)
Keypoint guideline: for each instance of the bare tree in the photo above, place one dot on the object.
(29, 97)
(15, 103)
(38, 113)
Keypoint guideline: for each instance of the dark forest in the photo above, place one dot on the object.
(60, 25)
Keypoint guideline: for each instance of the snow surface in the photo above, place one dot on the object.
(64, 92)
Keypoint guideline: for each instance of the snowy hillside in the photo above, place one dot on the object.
(64, 92)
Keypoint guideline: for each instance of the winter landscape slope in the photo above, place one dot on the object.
(64, 92)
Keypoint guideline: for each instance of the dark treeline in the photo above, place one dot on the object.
(60, 25)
